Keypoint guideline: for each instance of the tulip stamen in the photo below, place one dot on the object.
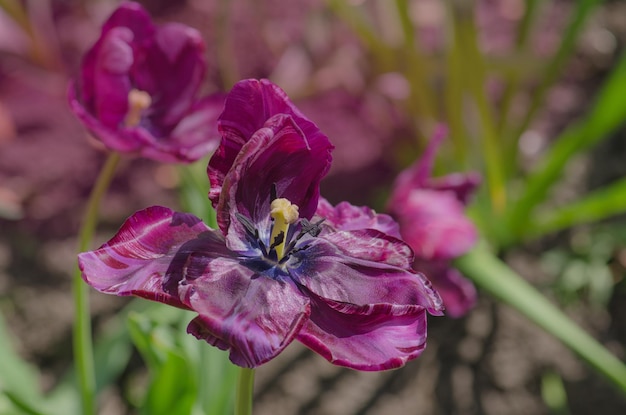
(138, 102)
(284, 214)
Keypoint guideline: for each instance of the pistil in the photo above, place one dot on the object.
(138, 102)
(284, 214)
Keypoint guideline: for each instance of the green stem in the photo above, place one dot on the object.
(495, 277)
(245, 387)
(83, 347)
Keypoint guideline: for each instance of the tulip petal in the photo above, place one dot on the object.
(434, 224)
(329, 272)
(368, 337)
(194, 136)
(171, 70)
(128, 15)
(418, 176)
(248, 107)
(253, 316)
(136, 260)
(372, 245)
(457, 292)
(277, 156)
(133, 16)
(347, 217)
(111, 83)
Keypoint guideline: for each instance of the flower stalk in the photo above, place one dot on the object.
(495, 277)
(83, 347)
(245, 388)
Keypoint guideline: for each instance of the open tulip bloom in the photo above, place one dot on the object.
(138, 89)
(284, 263)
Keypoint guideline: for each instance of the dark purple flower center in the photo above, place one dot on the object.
(289, 235)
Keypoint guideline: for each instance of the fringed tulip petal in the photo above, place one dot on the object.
(368, 337)
(253, 316)
(137, 259)
(328, 271)
(347, 217)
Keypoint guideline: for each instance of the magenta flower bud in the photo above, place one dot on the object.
(138, 89)
(431, 215)
(284, 265)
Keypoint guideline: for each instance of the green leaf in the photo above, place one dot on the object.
(172, 389)
(607, 114)
(158, 332)
(598, 205)
(582, 10)
(18, 379)
(142, 333)
(112, 352)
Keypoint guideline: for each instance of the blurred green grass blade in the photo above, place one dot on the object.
(358, 21)
(112, 351)
(404, 14)
(454, 96)
(18, 379)
(466, 35)
(64, 399)
(582, 10)
(606, 115)
(141, 330)
(422, 101)
(513, 78)
(523, 30)
(495, 277)
(598, 205)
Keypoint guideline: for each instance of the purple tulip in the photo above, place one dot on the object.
(431, 215)
(346, 217)
(139, 85)
(275, 270)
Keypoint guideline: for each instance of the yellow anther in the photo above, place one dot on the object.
(138, 101)
(284, 214)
